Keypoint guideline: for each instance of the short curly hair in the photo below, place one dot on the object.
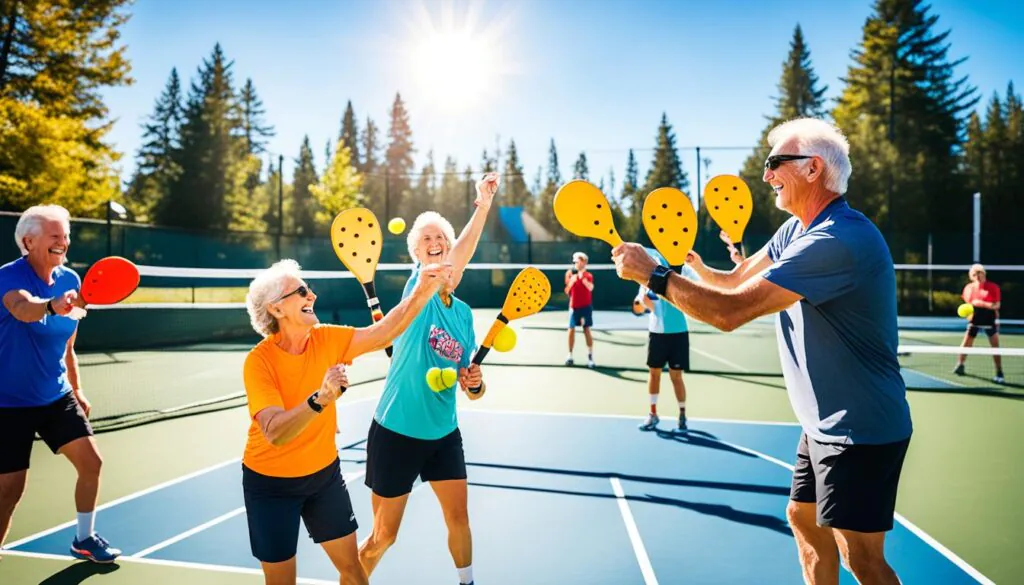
(423, 220)
(267, 286)
(31, 222)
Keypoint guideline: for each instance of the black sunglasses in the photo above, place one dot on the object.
(774, 161)
(303, 291)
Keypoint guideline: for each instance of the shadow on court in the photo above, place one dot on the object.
(78, 573)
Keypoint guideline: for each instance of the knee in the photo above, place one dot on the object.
(457, 520)
(91, 465)
(796, 517)
(9, 498)
(384, 537)
(863, 561)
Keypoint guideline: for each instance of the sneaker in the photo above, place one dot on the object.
(999, 379)
(650, 422)
(95, 549)
(959, 370)
(682, 428)
(569, 361)
(590, 363)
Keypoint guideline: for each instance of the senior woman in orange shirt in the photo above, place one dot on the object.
(292, 379)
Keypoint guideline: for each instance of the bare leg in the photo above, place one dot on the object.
(282, 573)
(344, 553)
(816, 546)
(12, 487)
(864, 553)
(453, 497)
(387, 518)
(85, 456)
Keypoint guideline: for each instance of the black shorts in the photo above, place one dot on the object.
(672, 349)
(581, 316)
(990, 330)
(274, 505)
(394, 460)
(57, 423)
(854, 486)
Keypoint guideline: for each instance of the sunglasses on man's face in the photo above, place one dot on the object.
(774, 161)
(303, 291)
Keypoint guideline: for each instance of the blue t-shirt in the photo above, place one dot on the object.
(32, 369)
(440, 337)
(665, 318)
(838, 344)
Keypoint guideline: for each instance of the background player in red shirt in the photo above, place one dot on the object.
(579, 285)
(984, 295)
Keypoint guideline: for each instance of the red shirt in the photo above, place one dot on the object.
(579, 295)
(988, 292)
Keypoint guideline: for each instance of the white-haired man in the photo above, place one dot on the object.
(40, 390)
(829, 275)
(579, 287)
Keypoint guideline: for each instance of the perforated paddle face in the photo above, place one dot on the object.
(671, 223)
(356, 238)
(529, 292)
(729, 203)
(109, 281)
(583, 210)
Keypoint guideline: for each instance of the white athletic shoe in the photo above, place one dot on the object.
(650, 422)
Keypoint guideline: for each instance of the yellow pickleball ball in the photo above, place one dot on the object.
(448, 378)
(505, 340)
(434, 379)
(965, 310)
(396, 225)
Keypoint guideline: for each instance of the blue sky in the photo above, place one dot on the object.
(595, 75)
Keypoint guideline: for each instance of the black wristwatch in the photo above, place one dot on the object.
(311, 401)
(658, 282)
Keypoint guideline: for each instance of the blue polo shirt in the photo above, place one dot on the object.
(32, 369)
(441, 337)
(838, 344)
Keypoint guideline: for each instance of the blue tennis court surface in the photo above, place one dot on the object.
(553, 499)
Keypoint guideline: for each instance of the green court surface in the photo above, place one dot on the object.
(960, 484)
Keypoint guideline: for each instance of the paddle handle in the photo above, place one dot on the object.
(375, 311)
(485, 347)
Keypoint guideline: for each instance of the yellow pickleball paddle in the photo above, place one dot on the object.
(671, 223)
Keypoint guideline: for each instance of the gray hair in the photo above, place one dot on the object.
(264, 289)
(818, 137)
(31, 222)
(428, 218)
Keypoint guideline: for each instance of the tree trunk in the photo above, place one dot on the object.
(9, 23)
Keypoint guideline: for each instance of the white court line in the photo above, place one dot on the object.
(219, 519)
(148, 490)
(634, 534)
(625, 416)
(722, 360)
(953, 557)
(164, 563)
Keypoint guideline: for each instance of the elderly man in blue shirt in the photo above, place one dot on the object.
(829, 276)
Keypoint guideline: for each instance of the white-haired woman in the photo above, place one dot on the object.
(292, 378)
(40, 390)
(984, 295)
(415, 431)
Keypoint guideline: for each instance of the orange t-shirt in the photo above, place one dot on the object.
(274, 377)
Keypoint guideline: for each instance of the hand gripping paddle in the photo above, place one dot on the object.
(529, 292)
(584, 211)
(729, 203)
(356, 238)
(671, 223)
(108, 281)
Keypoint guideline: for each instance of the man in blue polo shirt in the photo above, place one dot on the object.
(668, 344)
(39, 385)
(829, 275)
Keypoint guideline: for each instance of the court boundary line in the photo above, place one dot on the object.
(716, 358)
(166, 563)
(146, 491)
(913, 528)
(629, 416)
(646, 569)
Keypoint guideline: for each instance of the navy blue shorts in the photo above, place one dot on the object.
(57, 423)
(394, 460)
(582, 315)
(274, 505)
(671, 349)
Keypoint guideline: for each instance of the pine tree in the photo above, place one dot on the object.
(338, 189)
(450, 196)
(904, 113)
(423, 192)
(304, 206)
(350, 134)
(398, 156)
(544, 211)
(580, 170)
(156, 168)
(373, 177)
(56, 60)
(666, 169)
(799, 96)
(632, 199)
(255, 130)
(487, 164)
(513, 184)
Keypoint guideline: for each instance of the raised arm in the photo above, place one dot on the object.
(382, 333)
(465, 245)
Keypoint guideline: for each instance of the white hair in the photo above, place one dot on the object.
(264, 289)
(580, 255)
(818, 137)
(428, 218)
(30, 224)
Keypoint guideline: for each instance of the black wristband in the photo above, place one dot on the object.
(658, 281)
(311, 401)
(49, 308)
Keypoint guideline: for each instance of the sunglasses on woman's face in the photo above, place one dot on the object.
(303, 291)
(774, 161)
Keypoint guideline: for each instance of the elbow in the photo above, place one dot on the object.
(276, 439)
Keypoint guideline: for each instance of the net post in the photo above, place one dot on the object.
(977, 227)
